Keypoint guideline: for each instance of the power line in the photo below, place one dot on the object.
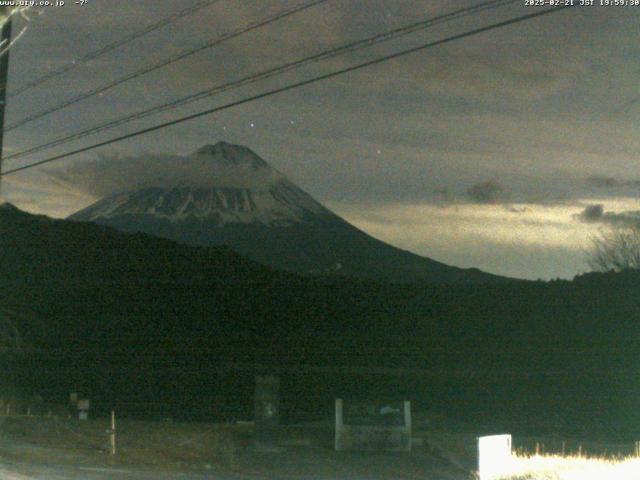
(113, 46)
(164, 63)
(343, 49)
(292, 86)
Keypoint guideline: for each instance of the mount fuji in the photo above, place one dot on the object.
(258, 212)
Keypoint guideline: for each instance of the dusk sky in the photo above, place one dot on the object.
(504, 151)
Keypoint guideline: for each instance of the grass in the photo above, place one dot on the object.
(573, 467)
(306, 452)
(161, 445)
(303, 451)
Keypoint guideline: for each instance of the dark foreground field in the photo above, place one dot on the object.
(51, 448)
(156, 329)
(37, 446)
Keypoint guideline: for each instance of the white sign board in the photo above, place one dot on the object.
(494, 456)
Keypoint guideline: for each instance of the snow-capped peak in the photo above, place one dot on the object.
(243, 188)
(228, 154)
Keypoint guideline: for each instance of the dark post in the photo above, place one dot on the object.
(5, 40)
(267, 410)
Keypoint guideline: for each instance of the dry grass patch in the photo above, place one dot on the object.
(163, 445)
(573, 467)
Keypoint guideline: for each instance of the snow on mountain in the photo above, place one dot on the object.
(245, 190)
(225, 194)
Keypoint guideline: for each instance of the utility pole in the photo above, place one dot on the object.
(5, 42)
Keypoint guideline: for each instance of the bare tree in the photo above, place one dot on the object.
(616, 249)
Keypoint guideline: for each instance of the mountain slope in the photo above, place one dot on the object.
(259, 213)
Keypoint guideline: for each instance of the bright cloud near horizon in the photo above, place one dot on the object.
(505, 151)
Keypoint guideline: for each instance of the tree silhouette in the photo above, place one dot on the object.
(616, 249)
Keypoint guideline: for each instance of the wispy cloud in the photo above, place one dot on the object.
(490, 191)
(520, 239)
(597, 214)
(109, 174)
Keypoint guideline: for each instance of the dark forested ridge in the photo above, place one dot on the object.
(136, 317)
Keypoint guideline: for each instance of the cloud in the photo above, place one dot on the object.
(606, 182)
(597, 214)
(592, 213)
(602, 181)
(534, 242)
(490, 191)
(111, 174)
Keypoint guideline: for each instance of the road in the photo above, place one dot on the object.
(56, 472)
(29, 472)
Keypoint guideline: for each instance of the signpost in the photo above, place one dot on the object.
(494, 456)
(377, 426)
(83, 409)
(267, 410)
